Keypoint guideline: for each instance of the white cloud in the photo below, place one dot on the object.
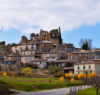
(29, 30)
(24, 15)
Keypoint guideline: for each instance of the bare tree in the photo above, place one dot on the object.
(86, 44)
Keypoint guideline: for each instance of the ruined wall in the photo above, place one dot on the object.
(23, 40)
(53, 36)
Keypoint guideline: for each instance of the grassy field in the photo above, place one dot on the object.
(35, 84)
(88, 91)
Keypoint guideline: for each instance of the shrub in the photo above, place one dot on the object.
(62, 79)
(27, 71)
(54, 69)
(72, 80)
(75, 83)
(4, 73)
(75, 77)
(81, 76)
(68, 75)
(58, 74)
(91, 75)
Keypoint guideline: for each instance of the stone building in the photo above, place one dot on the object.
(53, 36)
(79, 56)
(26, 51)
(94, 54)
(24, 40)
(45, 47)
(11, 62)
(84, 55)
(87, 67)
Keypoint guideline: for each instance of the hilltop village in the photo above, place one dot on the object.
(46, 48)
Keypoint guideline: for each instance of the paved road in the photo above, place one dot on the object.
(61, 91)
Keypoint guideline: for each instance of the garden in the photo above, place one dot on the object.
(30, 84)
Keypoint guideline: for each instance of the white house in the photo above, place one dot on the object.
(87, 67)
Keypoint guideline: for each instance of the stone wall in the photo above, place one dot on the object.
(54, 36)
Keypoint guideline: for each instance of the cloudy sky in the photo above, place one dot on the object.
(77, 19)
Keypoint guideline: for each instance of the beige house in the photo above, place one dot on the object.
(83, 55)
(27, 56)
(21, 47)
(87, 67)
(49, 56)
(79, 56)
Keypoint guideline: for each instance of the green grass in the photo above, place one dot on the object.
(35, 84)
(88, 91)
(32, 84)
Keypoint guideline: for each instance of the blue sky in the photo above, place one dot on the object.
(83, 32)
(77, 19)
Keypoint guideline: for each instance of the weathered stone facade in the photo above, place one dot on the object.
(23, 40)
(53, 36)
(42, 48)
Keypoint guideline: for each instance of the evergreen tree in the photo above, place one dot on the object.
(60, 38)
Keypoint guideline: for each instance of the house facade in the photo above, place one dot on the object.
(87, 67)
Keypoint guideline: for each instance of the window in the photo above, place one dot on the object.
(92, 57)
(53, 55)
(48, 55)
(30, 58)
(97, 53)
(32, 47)
(78, 67)
(83, 67)
(76, 57)
(70, 49)
(60, 46)
(89, 67)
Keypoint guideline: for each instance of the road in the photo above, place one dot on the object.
(61, 91)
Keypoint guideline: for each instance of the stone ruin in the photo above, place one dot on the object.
(53, 36)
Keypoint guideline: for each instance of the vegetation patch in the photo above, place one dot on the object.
(36, 84)
(76, 83)
(88, 91)
(3, 89)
